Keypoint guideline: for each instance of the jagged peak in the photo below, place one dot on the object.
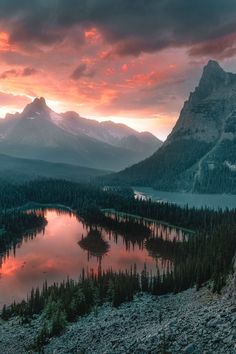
(37, 105)
(213, 67)
(213, 64)
(212, 77)
(40, 101)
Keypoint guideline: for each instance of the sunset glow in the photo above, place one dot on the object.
(105, 70)
(118, 176)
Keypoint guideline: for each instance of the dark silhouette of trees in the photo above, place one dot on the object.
(204, 255)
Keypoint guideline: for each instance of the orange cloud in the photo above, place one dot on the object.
(10, 266)
(110, 71)
(6, 45)
(92, 35)
(104, 89)
(147, 79)
(125, 68)
(4, 42)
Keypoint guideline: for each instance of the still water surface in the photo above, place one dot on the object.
(58, 252)
(211, 201)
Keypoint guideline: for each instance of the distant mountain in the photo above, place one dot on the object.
(110, 133)
(140, 142)
(107, 131)
(18, 170)
(200, 153)
(40, 133)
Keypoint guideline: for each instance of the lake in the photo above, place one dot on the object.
(65, 247)
(212, 201)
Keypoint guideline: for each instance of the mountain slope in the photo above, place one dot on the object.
(200, 153)
(109, 132)
(143, 142)
(18, 170)
(40, 133)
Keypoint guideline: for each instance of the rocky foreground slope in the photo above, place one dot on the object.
(189, 322)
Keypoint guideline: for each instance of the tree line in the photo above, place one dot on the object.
(16, 225)
(205, 256)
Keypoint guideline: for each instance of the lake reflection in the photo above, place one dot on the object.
(62, 250)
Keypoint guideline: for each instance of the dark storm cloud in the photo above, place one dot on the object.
(131, 26)
(82, 71)
(220, 48)
(29, 71)
(16, 73)
(155, 96)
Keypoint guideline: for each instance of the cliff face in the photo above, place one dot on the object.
(208, 106)
(200, 153)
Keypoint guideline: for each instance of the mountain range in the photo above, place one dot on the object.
(39, 133)
(200, 153)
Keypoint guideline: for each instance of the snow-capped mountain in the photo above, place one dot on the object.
(40, 133)
(107, 131)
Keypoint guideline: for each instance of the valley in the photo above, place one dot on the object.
(21, 169)
(82, 245)
(60, 250)
(104, 255)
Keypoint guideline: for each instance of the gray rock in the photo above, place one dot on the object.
(229, 339)
(214, 322)
(191, 349)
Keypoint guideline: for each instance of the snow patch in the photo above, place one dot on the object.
(56, 118)
(231, 166)
(211, 166)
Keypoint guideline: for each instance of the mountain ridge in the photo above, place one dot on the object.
(20, 170)
(199, 154)
(40, 133)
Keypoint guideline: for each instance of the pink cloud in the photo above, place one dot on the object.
(221, 48)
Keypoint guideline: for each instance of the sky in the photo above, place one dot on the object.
(130, 61)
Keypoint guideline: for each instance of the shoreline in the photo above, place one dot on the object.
(34, 205)
(138, 217)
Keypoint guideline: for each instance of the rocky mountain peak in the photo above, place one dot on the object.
(213, 77)
(200, 153)
(40, 101)
(37, 108)
(212, 67)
